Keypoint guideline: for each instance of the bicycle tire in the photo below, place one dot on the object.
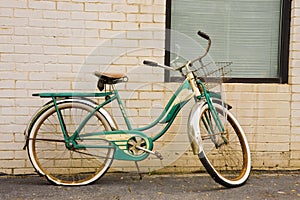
(229, 164)
(50, 156)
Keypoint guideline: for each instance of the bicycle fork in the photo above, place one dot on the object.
(214, 127)
(211, 119)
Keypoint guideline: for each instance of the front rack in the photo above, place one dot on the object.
(213, 71)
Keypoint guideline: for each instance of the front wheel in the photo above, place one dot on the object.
(63, 165)
(225, 155)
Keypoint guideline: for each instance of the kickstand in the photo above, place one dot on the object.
(138, 170)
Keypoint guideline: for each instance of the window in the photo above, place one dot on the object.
(252, 34)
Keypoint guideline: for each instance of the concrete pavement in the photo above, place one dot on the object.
(128, 186)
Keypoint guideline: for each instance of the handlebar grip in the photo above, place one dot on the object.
(150, 63)
(203, 35)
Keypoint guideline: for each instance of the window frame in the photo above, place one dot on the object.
(283, 57)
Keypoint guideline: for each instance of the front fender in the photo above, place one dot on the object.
(194, 129)
(217, 98)
(193, 123)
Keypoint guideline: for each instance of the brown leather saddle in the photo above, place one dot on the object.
(110, 79)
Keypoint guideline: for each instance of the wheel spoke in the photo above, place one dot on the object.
(69, 166)
(226, 155)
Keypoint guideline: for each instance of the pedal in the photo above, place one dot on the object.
(157, 154)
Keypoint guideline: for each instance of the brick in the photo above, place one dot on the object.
(295, 71)
(84, 15)
(70, 59)
(125, 26)
(151, 95)
(6, 84)
(13, 4)
(7, 12)
(5, 102)
(56, 32)
(58, 67)
(138, 103)
(6, 48)
(28, 13)
(63, 24)
(5, 21)
(42, 40)
(13, 76)
(152, 26)
(129, 95)
(12, 163)
(159, 2)
(4, 30)
(30, 49)
(295, 97)
(54, 14)
(69, 41)
(143, 2)
(139, 34)
(98, 25)
(124, 43)
(27, 67)
(70, 6)
(41, 22)
(152, 44)
(112, 16)
(26, 103)
(56, 85)
(25, 31)
(36, 76)
(140, 17)
(137, 86)
(57, 49)
(294, 163)
(46, 5)
(43, 58)
(153, 9)
(125, 60)
(99, 7)
(12, 93)
(159, 18)
(6, 154)
(125, 9)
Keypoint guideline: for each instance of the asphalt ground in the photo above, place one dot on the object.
(123, 186)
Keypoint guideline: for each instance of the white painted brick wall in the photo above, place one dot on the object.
(294, 75)
(45, 44)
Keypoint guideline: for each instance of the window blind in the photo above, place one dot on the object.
(244, 32)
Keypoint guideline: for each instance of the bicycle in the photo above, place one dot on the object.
(72, 140)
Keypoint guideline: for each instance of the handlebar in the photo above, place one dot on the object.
(201, 34)
(154, 64)
(206, 37)
(150, 63)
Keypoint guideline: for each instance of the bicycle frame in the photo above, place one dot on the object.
(167, 117)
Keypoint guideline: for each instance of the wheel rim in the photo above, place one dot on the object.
(70, 166)
(230, 161)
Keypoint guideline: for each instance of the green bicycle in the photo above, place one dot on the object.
(72, 140)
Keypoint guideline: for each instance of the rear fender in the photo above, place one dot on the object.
(49, 104)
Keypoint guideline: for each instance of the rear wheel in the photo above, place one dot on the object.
(69, 166)
(226, 156)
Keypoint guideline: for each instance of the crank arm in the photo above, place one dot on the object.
(157, 154)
